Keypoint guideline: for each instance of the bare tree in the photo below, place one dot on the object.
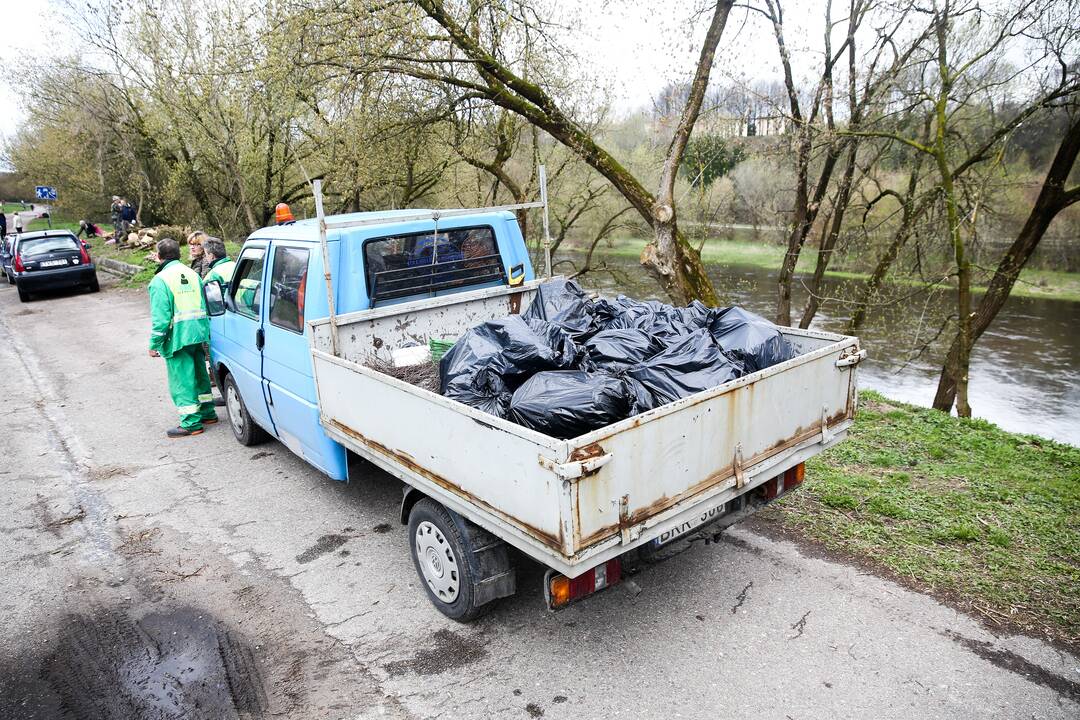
(1054, 197)
(477, 71)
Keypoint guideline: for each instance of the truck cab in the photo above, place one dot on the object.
(260, 332)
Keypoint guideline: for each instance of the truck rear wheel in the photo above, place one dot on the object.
(463, 568)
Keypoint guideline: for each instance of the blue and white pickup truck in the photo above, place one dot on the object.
(312, 305)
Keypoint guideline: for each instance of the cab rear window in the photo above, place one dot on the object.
(416, 263)
(29, 247)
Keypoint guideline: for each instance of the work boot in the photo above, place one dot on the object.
(209, 421)
(179, 432)
(219, 402)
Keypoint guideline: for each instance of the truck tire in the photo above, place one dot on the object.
(462, 567)
(246, 430)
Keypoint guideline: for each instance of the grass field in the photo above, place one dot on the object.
(1033, 283)
(985, 519)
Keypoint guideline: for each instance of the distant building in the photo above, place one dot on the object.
(748, 125)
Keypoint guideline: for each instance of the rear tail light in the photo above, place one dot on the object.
(789, 480)
(84, 255)
(18, 264)
(561, 590)
(794, 476)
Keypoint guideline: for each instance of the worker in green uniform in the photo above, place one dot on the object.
(179, 327)
(221, 265)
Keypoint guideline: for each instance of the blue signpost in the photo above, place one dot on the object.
(45, 192)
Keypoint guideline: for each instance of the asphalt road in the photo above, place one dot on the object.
(144, 578)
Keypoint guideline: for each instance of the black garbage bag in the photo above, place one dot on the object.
(564, 303)
(750, 338)
(689, 365)
(619, 349)
(568, 403)
(650, 316)
(491, 360)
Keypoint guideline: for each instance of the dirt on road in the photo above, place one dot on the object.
(146, 578)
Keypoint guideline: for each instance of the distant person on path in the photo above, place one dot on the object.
(127, 217)
(220, 264)
(114, 217)
(18, 223)
(198, 261)
(179, 327)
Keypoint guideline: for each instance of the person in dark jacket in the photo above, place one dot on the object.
(3, 224)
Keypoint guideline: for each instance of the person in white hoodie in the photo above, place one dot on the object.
(17, 223)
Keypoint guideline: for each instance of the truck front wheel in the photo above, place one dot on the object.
(244, 428)
(462, 567)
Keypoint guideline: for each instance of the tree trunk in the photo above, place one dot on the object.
(669, 257)
(961, 366)
(805, 214)
(843, 195)
(1053, 198)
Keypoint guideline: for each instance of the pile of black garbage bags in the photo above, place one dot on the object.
(570, 364)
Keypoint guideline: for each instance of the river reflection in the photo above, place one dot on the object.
(1025, 374)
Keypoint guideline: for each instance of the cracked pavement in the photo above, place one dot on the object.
(303, 590)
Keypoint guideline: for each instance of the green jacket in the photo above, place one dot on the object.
(222, 271)
(177, 309)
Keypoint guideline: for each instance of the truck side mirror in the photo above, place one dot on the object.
(215, 301)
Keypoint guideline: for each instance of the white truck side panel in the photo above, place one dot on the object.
(574, 503)
(694, 445)
(429, 441)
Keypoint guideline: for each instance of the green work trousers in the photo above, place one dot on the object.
(189, 385)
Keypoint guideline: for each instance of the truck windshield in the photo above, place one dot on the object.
(404, 265)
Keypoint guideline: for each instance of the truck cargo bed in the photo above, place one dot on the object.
(572, 504)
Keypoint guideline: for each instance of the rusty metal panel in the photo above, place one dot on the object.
(450, 450)
(711, 441)
(375, 333)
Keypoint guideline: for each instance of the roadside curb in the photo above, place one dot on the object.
(118, 268)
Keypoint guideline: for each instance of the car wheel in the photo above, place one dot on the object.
(93, 285)
(448, 565)
(23, 295)
(246, 431)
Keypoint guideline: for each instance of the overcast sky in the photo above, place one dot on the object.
(632, 47)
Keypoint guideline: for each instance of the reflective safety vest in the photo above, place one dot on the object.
(177, 309)
(222, 271)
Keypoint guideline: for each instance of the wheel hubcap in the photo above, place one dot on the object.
(236, 411)
(437, 562)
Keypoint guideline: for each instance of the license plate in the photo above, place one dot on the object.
(53, 263)
(706, 516)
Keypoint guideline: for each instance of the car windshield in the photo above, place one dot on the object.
(28, 247)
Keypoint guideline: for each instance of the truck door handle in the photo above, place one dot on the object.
(260, 339)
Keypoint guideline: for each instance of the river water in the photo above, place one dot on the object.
(1025, 370)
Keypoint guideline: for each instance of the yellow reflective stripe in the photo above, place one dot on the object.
(154, 332)
(208, 397)
(187, 409)
(188, 315)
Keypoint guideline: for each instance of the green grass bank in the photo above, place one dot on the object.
(987, 520)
